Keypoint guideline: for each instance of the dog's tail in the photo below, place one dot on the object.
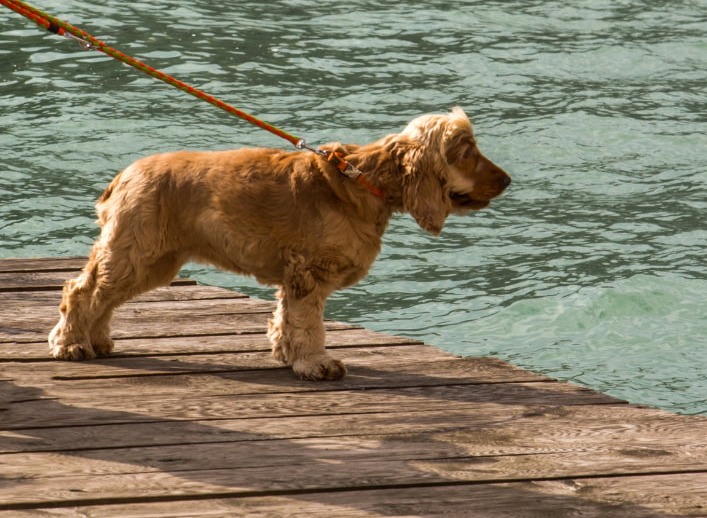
(103, 201)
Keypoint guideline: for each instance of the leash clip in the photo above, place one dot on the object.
(302, 144)
(85, 45)
(346, 168)
(337, 159)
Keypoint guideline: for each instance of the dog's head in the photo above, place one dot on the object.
(444, 170)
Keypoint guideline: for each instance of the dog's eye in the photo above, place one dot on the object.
(472, 151)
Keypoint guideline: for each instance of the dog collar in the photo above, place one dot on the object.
(351, 171)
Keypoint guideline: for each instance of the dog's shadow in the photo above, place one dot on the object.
(228, 462)
(285, 455)
(265, 375)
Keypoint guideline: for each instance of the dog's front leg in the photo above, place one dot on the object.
(297, 335)
(280, 347)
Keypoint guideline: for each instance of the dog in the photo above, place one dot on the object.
(288, 218)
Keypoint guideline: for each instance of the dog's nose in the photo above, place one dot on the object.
(506, 181)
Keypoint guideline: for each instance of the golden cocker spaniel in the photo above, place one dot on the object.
(290, 219)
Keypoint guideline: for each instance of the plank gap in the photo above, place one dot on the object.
(243, 494)
(170, 373)
(59, 287)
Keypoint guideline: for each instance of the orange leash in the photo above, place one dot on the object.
(89, 42)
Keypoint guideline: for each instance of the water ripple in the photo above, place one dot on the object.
(591, 268)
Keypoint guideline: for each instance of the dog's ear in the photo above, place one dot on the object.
(457, 143)
(458, 137)
(425, 200)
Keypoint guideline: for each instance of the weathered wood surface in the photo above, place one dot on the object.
(192, 417)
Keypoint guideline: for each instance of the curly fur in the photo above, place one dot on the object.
(288, 218)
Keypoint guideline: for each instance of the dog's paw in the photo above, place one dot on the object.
(282, 352)
(102, 345)
(63, 345)
(278, 353)
(72, 351)
(319, 368)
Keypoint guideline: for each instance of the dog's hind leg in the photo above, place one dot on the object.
(110, 278)
(69, 340)
(146, 274)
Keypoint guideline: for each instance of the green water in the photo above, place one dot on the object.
(592, 268)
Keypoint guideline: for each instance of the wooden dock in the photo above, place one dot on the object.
(192, 417)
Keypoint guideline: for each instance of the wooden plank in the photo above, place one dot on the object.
(39, 264)
(37, 301)
(438, 454)
(129, 325)
(392, 355)
(274, 378)
(306, 465)
(492, 428)
(154, 319)
(131, 321)
(160, 308)
(48, 280)
(29, 407)
(203, 345)
(655, 496)
(187, 362)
